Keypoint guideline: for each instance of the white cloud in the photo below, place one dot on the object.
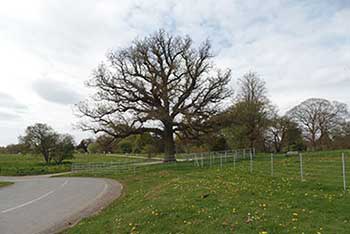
(301, 49)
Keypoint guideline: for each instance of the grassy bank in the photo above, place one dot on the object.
(2, 184)
(188, 199)
(35, 165)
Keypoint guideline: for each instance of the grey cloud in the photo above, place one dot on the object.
(9, 102)
(56, 91)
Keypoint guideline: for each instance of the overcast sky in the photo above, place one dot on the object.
(49, 48)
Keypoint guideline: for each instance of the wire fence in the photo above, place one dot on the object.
(330, 170)
(204, 159)
(321, 169)
(117, 167)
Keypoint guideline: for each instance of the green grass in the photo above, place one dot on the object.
(181, 198)
(2, 184)
(34, 164)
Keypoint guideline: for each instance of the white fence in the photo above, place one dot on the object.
(320, 168)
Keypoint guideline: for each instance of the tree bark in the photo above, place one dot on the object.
(169, 144)
(46, 156)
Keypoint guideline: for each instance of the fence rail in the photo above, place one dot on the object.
(320, 169)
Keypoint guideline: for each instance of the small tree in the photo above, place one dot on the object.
(41, 138)
(84, 144)
(64, 148)
(93, 148)
(248, 117)
(283, 133)
(276, 133)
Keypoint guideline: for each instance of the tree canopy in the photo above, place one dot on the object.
(318, 118)
(160, 84)
(41, 138)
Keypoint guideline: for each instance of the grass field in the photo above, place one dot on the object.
(34, 164)
(236, 198)
(181, 198)
(2, 184)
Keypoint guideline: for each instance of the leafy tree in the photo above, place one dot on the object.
(93, 148)
(341, 139)
(41, 138)
(142, 141)
(161, 85)
(283, 133)
(248, 117)
(14, 149)
(63, 149)
(84, 144)
(276, 133)
(105, 143)
(125, 146)
(294, 140)
(150, 150)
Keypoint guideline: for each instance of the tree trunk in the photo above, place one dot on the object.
(46, 157)
(313, 141)
(169, 144)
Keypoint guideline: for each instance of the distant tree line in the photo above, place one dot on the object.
(135, 144)
(253, 121)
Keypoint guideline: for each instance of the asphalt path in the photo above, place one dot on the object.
(40, 204)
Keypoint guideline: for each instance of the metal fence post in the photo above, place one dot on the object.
(202, 159)
(221, 160)
(271, 164)
(210, 159)
(234, 160)
(344, 176)
(301, 167)
(251, 162)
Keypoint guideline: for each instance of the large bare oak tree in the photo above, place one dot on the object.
(160, 84)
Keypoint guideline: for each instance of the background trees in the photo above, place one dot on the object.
(63, 149)
(84, 144)
(159, 85)
(137, 144)
(319, 119)
(41, 138)
(13, 149)
(247, 118)
(162, 95)
(283, 134)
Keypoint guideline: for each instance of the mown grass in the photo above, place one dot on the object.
(3, 184)
(12, 165)
(181, 198)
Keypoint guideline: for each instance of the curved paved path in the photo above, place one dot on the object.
(40, 204)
